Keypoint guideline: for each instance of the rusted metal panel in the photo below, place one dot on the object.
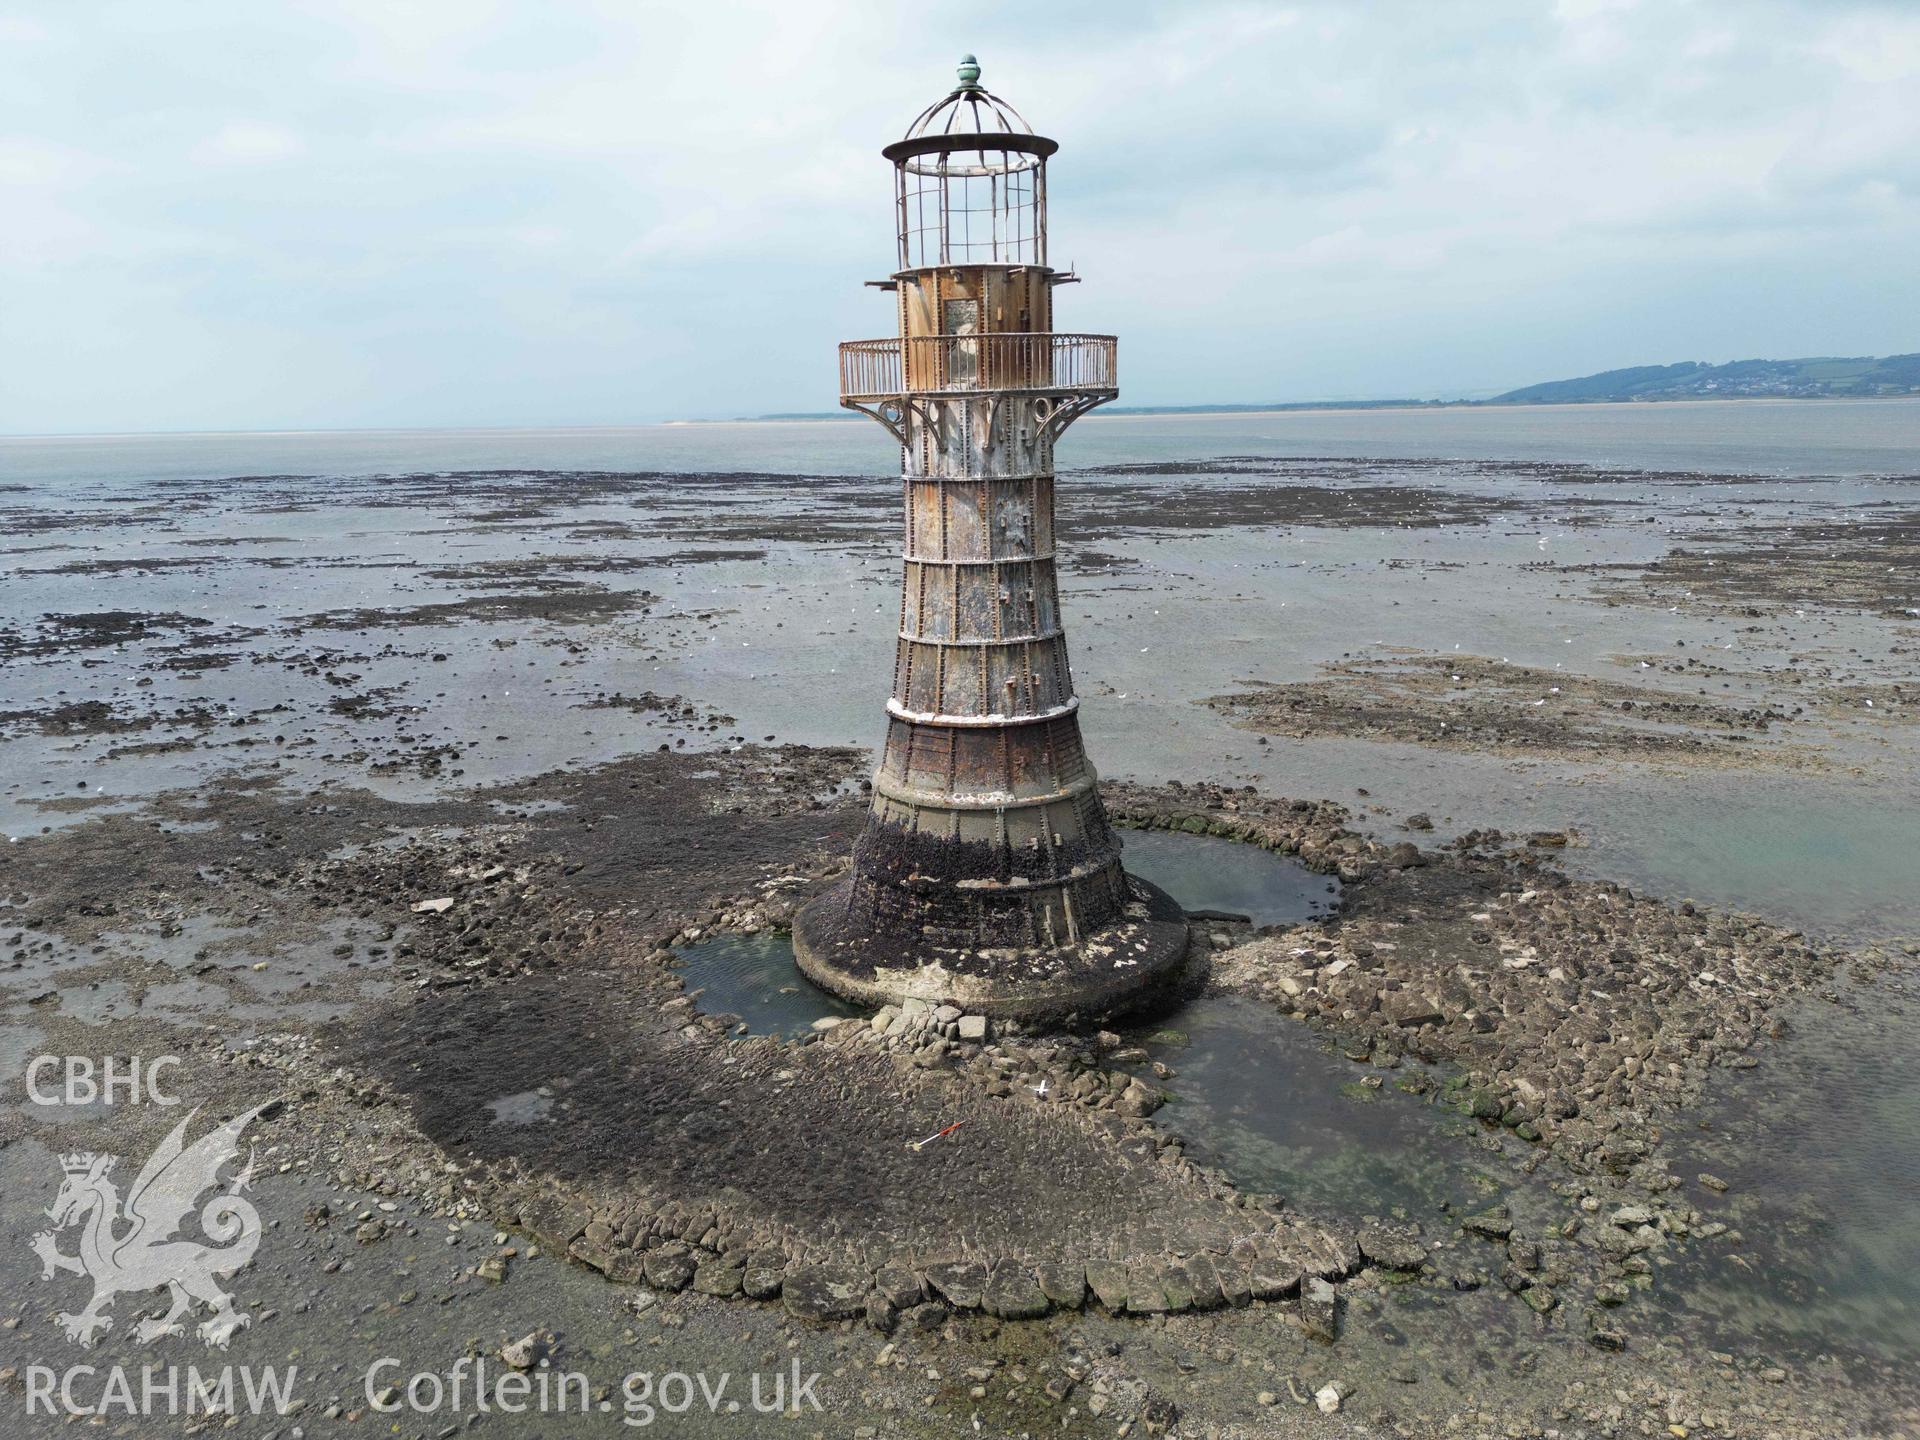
(1004, 765)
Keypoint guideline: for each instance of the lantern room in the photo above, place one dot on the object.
(970, 182)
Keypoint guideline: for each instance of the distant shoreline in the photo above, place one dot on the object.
(1337, 407)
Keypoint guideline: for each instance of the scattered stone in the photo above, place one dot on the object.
(1603, 1337)
(528, 1351)
(1395, 1251)
(1493, 1223)
(900, 1285)
(924, 1317)
(1319, 1310)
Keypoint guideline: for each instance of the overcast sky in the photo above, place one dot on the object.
(258, 214)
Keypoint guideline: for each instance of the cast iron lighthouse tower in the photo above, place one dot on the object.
(987, 875)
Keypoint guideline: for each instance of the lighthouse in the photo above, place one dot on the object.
(987, 875)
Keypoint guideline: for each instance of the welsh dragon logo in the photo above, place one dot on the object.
(135, 1245)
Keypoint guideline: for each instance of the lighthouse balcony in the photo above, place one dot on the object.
(1081, 367)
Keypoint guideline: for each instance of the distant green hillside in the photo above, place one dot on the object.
(1692, 380)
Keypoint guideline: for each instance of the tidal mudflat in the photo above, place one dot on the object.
(1550, 797)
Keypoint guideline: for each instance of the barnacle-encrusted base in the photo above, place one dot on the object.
(1127, 965)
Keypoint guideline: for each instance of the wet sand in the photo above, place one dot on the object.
(251, 725)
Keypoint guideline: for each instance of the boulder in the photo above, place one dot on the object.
(1271, 1275)
(1146, 1290)
(1064, 1285)
(667, 1269)
(1410, 1009)
(822, 1293)
(1108, 1281)
(901, 1286)
(763, 1274)
(719, 1279)
(1203, 1282)
(960, 1282)
(1236, 1283)
(1013, 1294)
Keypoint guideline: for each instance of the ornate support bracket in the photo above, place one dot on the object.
(890, 413)
(1070, 408)
(1062, 410)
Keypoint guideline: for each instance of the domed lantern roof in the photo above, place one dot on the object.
(969, 119)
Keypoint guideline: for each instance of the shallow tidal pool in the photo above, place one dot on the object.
(1277, 1106)
(1820, 1148)
(754, 977)
(1206, 872)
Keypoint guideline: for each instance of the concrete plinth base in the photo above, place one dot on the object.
(1106, 973)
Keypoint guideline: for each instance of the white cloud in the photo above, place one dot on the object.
(247, 142)
(496, 209)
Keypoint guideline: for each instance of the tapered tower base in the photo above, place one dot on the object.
(1122, 967)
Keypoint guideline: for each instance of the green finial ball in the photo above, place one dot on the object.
(969, 73)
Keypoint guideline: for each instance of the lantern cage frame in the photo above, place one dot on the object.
(970, 184)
